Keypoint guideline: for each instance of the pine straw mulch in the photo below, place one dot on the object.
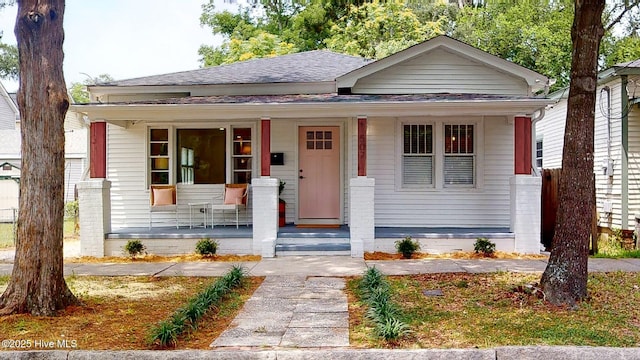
(118, 313)
(456, 255)
(158, 258)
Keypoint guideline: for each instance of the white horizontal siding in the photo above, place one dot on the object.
(73, 169)
(634, 164)
(284, 139)
(7, 115)
(488, 205)
(608, 188)
(441, 71)
(127, 171)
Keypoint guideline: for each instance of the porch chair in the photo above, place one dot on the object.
(234, 197)
(163, 198)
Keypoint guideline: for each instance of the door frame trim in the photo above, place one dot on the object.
(321, 123)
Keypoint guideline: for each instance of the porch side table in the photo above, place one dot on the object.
(198, 206)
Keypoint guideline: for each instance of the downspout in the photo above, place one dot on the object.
(624, 104)
(534, 120)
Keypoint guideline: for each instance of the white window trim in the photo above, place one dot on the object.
(474, 155)
(401, 153)
(438, 124)
(228, 148)
(170, 152)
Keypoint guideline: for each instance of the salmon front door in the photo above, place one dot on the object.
(319, 174)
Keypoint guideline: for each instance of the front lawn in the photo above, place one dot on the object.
(489, 310)
(118, 313)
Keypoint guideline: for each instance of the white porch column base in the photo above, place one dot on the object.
(526, 212)
(265, 216)
(361, 215)
(94, 202)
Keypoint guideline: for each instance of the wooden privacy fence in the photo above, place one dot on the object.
(550, 188)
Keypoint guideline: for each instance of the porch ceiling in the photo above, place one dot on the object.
(321, 105)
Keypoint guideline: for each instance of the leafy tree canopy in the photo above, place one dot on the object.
(535, 34)
(8, 54)
(79, 92)
(380, 28)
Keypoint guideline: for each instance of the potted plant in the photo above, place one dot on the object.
(282, 206)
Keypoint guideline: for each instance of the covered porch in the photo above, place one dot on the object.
(294, 240)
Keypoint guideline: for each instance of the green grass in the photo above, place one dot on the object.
(6, 233)
(487, 312)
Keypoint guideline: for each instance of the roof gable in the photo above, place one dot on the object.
(455, 49)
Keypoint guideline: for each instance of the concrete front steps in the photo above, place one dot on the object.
(313, 246)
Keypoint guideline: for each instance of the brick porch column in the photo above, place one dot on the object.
(361, 215)
(525, 212)
(265, 216)
(94, 201)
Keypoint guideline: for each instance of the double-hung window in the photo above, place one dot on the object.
(417, 155)
(459, 155)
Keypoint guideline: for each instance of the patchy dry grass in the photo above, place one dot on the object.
(488, 310)
(119, 311)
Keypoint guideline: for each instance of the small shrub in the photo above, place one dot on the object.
(484, 246)
(206, 247)
(407, 247)
(135, 248)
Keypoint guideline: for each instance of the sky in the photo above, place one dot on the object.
(126, 38)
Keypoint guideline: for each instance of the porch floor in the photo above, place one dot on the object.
(291, 231)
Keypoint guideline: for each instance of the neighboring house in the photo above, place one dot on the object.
(10, 152)
(432, 142)
(616, 141)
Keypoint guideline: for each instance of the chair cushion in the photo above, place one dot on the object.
(233, 196)
(162, 197)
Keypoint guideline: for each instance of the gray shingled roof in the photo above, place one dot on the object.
(326, 98)
(630, 64)
(310, 66)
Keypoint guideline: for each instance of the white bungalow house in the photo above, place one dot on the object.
(616, 141)
(11, 153)
(433, 142)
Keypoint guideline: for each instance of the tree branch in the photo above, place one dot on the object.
(626, 9)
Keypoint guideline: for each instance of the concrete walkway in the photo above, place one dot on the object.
(293, 312)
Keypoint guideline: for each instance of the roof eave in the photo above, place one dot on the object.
(125, 114)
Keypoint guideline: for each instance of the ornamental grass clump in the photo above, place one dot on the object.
(166, 332)
(386, 315)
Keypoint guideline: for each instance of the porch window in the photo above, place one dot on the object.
(241, 156)
(539, 154)
(159, 156)
(459, 155)
(201, 156)
(417, 157)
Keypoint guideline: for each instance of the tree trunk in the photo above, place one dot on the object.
(564, 281)
(37, 285)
